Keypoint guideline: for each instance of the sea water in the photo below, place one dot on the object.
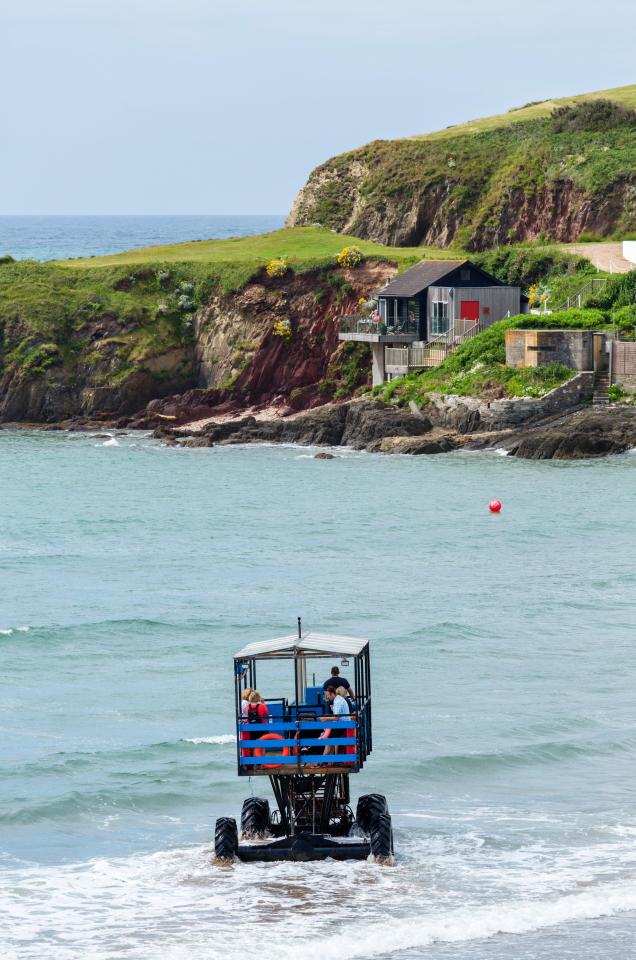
(504, 678)
(51, 238)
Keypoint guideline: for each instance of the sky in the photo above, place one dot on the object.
(208, 106)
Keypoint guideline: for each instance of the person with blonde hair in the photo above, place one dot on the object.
(245, 700)
(257, 712)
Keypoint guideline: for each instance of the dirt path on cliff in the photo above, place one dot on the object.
(604, 256)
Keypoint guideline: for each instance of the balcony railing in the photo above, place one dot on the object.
(367, 324)
(434, 351)
(411, 357)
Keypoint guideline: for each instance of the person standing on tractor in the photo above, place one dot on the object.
(335, 680)
(257, 712)
(340, 709)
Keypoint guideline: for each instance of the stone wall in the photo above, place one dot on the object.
(537, 348)
(469, 414)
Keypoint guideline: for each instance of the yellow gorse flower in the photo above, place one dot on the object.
(350, 257)
(282, 328)
(277, 267)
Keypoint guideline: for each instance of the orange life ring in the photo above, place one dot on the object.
(259, 752)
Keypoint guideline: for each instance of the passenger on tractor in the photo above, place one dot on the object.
(245, 700)
(337, 697)
(257, 713)
(335, 680)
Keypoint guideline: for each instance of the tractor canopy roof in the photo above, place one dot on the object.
(309, 645)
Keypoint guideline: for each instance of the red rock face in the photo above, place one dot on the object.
(295, 373)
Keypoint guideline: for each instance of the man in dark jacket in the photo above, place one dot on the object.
(335, 680)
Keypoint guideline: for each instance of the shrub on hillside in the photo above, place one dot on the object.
(277, 267)
(619, 291)
(350, 257)
(282, 328)
(625, 319)
(592, 115)
(524, 266)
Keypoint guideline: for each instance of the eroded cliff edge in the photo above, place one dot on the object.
(274, 340)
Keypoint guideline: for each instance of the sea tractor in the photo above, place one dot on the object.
(308, 755)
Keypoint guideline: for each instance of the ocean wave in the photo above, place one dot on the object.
(468, 923)
(8, 631)
(221, 738)
(522, 755)
(77, 909)
(78, 805)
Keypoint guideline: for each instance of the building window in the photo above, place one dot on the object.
(464, 276)
(439, 318)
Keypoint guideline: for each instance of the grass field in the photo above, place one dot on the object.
(625, 95)
(302, 246)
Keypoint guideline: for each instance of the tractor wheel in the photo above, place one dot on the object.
(370, 806)
(381, 836)
(255, 817)
(225, 838)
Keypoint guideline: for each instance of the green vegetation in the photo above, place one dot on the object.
(478, 365)
(534, 111)
(232, 262)
(592, 115)
(349, 372)
(481, 175)
(110, 321)
(523, 265)
(114, 314)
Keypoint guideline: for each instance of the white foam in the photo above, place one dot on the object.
(7, 632)
(469, 923)
(221, 738)
(501, 452)
(129, 906)
(113, 442)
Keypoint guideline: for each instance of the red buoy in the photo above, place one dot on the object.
(494, 506)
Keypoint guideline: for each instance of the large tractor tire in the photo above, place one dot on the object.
(225, 839)
(370, 806)
(255, 817)
(381, 837)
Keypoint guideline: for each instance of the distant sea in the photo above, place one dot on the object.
(59, 237)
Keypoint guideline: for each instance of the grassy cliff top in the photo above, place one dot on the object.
(301, 246)
(532, 111)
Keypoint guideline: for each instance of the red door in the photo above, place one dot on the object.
(469, 310)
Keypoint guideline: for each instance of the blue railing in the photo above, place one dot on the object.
(293, 745)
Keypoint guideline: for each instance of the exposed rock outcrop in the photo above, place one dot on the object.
(581, 435)
(380, 428)
(363, 425)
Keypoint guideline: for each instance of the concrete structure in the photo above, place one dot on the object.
(537, 348)
(427, 311)
(623, 364)
(629, 251)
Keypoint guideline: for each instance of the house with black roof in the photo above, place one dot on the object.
(425, 312)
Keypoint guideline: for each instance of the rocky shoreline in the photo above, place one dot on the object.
(443, 425)
(377, 427)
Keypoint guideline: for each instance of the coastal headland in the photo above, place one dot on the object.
(221, 330)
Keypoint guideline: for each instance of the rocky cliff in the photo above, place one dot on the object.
(521, 176)
(134, 337)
